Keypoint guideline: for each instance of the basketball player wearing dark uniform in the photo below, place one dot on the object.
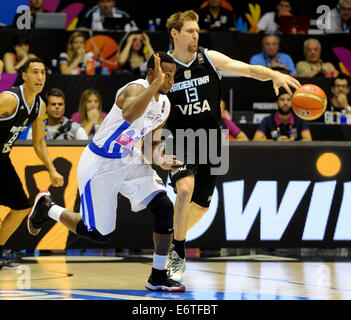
(201, 110)
(20, 107)
(195, 100)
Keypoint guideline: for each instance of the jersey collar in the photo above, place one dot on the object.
(180, 62)
(25, 102)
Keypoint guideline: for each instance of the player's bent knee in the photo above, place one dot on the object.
(162, 207)
(184, 192)
(185, 188)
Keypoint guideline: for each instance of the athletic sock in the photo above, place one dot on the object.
(160, 262)
(55, 212)
(179, 247)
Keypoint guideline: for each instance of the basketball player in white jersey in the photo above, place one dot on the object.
(110, 165)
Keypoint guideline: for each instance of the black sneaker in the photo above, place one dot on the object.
(159, 281)
(39, 213)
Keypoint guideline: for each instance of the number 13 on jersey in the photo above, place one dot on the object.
(191, 95)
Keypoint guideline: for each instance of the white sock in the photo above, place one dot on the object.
(55, 212)
(160, 262)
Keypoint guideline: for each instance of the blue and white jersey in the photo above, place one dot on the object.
(116, 137)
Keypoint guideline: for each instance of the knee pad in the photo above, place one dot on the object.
(93, 235)
(162, 208)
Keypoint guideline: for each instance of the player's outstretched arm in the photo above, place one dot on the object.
(235, 67)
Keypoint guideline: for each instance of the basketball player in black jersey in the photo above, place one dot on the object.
(20, 107)
(195, 99)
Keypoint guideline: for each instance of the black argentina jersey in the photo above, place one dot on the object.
(195, 95)
(12, 126)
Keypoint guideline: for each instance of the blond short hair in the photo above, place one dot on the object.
(176, 20)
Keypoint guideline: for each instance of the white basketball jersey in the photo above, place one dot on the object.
(116, 137)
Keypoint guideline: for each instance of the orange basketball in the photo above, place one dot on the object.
(309, 102)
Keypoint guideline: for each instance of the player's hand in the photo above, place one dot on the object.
(285, 81)
(169, 162)
(166, 161)
(159, 76)
(56, 179)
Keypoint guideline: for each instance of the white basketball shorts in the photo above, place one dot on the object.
(101, 179)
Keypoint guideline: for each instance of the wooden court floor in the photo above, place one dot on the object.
(255, 277)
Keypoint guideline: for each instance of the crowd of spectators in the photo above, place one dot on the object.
(136, 48)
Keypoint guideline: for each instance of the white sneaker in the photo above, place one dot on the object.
(175, 265)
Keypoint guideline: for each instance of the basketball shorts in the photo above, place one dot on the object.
(12, 194)
(101, 179)
(204, 182)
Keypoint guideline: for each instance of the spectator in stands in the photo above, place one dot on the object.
(283, 125)
(90, 113)
(226, 122)
(313, 65)
(57, 126)
(215, 17)
(74, 60)
(272, 58)
(339, 102)
(269, 22)
(135, 52)
(35, 6)
(15, 59)
(95, 17)
(340, 17)
(340, 90)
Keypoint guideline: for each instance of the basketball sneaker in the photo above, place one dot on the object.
(175, 265)
(159, 281)
(39, 212)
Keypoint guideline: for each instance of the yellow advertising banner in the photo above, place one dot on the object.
(35, 178)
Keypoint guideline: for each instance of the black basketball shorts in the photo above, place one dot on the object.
(204, 182)
(12, 194)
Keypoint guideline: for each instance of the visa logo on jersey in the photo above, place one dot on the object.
(195, 108)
